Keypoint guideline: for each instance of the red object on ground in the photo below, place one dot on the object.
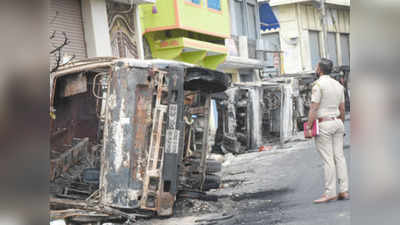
(264, 148)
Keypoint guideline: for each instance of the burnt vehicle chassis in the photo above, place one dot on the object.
(145, 143)
(272, 111)
(236, 119)
(341, 74)
(250, 116)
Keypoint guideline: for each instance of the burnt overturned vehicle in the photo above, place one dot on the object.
(129, 135)
(268, 112)
(254, 114)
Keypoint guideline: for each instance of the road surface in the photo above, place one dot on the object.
(271, 187)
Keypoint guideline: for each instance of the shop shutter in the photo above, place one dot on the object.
(66, 16)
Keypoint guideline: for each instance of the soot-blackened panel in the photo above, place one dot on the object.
(201, 79)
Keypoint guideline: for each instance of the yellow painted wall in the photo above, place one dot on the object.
(205, 20)
(336, 2)
(165, 16)
(182, 14)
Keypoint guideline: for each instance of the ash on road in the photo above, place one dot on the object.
(269, 187)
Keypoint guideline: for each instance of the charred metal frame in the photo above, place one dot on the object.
(122, 166)
(74, 114)
(151, 104)
(194, 166)
(267, 112)
(271, 113)
(135, 112)
(257, 114)
(241, 118)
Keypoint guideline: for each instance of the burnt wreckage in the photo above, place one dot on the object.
(271, 111)
(253, 114)
(127, 136)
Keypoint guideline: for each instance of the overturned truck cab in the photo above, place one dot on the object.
(144, 159)
(143, 137)
(151, 129)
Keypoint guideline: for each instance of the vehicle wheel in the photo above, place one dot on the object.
(213, 166)
(202, 79)
(211, 182)
(190, 194)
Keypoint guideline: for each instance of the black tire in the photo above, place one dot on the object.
(202, 79)
(190, 194)
(231, 144)
(211, 182)
(213, 166)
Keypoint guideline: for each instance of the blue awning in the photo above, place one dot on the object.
(268, 19)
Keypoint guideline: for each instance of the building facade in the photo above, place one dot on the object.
(191, 31)
(216, 34)
(299, 34)
(95, 28)
(243, 62)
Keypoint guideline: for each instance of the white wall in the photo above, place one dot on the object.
(296, 20)
(290, 38)
(281, 2)
(311, 18)
(95, 23)
(338, 21)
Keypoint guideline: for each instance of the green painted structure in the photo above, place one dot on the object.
(186, 31)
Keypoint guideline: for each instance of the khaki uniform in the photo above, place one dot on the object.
(329, 94)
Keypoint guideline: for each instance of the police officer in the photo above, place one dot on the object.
(327, 106)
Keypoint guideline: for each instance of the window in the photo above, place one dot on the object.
(332, 48)
(243, 16)
(271, 43)
(238, 21)
(315, 49)
(345, 46)
(251, 13)
(214, 4)
(195, 1)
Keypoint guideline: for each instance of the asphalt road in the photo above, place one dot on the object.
(290, 180)
(269, 188)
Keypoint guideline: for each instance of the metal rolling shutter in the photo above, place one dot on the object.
(69, 20)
